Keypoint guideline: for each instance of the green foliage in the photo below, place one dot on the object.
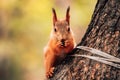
(28, 25)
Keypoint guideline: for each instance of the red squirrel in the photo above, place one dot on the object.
(60, 44)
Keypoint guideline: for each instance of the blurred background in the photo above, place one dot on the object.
(25, 27)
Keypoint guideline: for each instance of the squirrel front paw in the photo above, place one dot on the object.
(50, 72)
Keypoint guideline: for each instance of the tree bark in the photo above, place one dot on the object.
(103, 34)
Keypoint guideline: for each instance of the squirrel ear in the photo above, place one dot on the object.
(68, 15)
(54, 16)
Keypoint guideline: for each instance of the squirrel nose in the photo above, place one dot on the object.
(62, 40)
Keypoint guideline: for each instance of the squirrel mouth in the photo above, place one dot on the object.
(63, 44)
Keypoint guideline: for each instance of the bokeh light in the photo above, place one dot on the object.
(25, 27)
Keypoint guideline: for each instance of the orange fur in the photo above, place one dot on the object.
(56, 49)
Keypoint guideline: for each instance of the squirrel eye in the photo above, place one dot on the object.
(68, 29)
(55, 30)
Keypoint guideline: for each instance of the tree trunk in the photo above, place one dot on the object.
(103, 34)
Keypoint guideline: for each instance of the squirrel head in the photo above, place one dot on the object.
(61, 29)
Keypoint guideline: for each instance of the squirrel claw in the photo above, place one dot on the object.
(52, 69)
(50, 73)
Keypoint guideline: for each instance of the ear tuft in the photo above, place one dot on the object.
(68, 15)
(54, 16)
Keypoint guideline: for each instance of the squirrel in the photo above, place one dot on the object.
(60, 44)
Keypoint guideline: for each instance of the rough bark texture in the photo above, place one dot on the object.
(103, 34)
